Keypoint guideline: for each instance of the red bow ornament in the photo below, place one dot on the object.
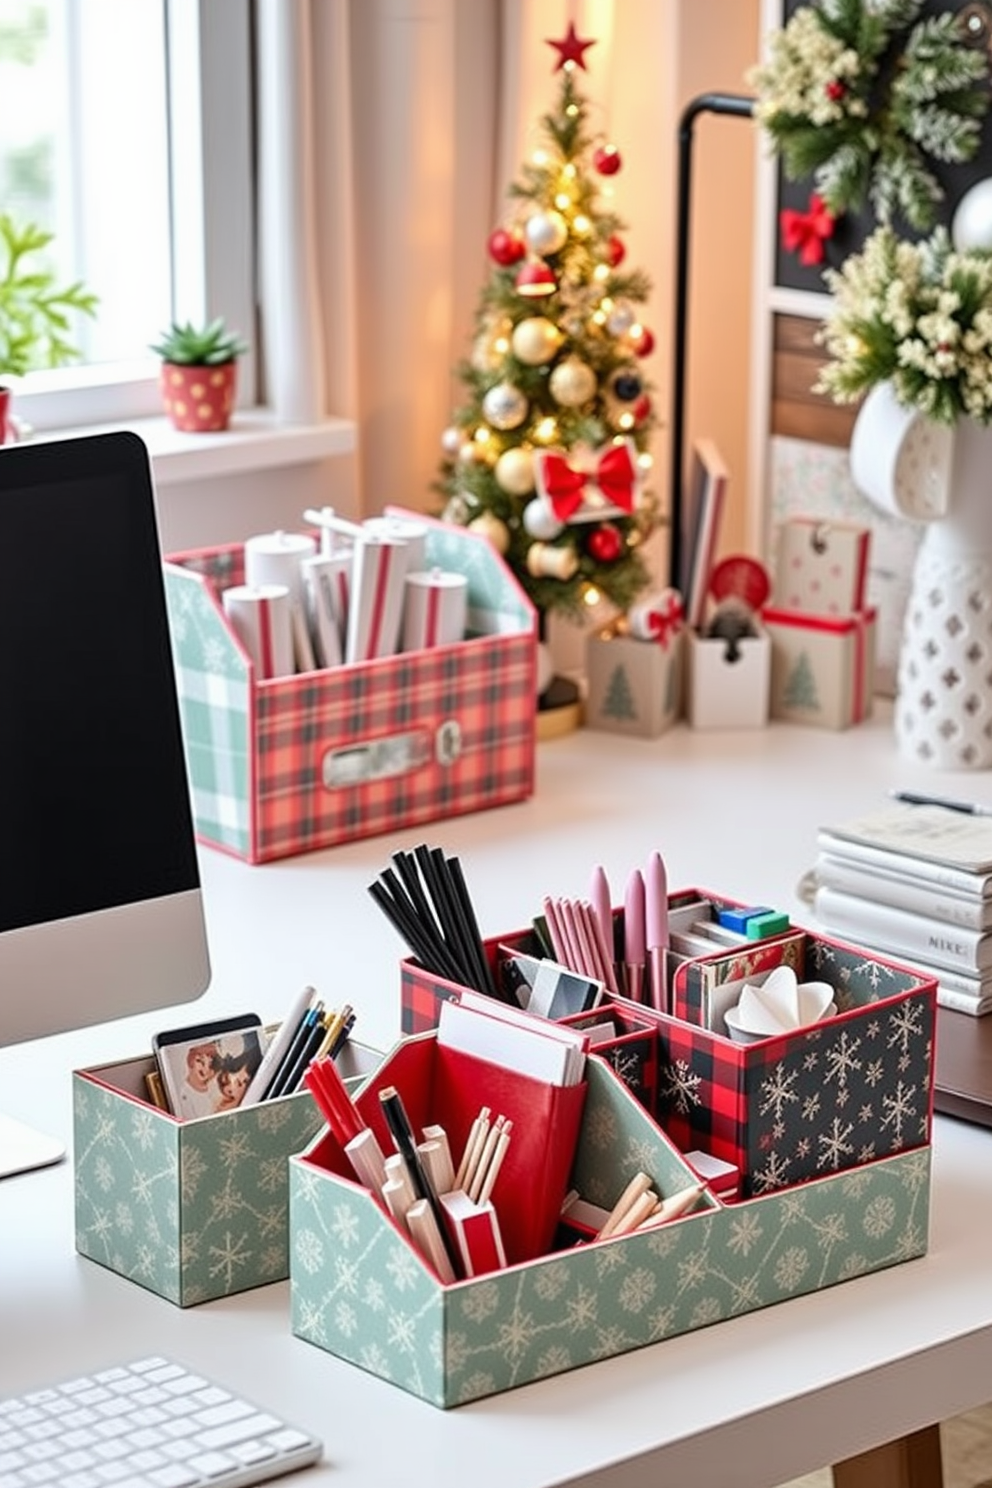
(604, 485)
(806, 232)
(657, 619)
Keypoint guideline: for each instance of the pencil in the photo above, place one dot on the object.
(476, 1136)
(478, 1173)
(492, 1172)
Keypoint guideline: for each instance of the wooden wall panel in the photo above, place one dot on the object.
(796, 410)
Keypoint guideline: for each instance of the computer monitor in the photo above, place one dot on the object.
(100, 902)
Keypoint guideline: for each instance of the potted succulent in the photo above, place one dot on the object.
(35, 312)
(199, 374)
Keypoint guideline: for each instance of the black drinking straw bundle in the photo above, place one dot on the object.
(426, 898)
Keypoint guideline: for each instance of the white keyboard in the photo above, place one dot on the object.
(150, 1424)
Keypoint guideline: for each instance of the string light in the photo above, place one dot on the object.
(546, 431)
(591, 596)
(581, 225)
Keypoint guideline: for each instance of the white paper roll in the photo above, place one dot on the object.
(275, 558)
(375, 609)
(435, 609)
(261, 618)
(408, 531)
(327, 581)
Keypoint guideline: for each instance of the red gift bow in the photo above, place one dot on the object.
(664, 623)
(614, 475)
(806, 232)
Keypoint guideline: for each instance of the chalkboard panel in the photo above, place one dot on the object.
(851, 229)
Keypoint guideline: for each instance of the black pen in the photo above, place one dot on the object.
(969, 808)
(406, 1145)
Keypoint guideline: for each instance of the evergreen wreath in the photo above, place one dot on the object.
(862, 95)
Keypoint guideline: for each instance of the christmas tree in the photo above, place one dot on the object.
(547, 456)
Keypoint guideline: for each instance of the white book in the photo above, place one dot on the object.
(934, 834)
(899, 932)
(906, 865)
(917, 895)
(515, 1039)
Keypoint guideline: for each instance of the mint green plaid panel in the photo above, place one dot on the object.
(214, 695)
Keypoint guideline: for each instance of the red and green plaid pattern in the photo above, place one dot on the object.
(448, 731)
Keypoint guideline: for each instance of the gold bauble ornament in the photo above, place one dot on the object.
(572, 383)
(496, 533)
(536, 340)
(514, 472)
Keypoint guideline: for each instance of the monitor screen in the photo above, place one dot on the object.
(100, 905)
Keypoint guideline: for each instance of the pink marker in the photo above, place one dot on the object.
(634, 935)
(602, 904)
(656, 930)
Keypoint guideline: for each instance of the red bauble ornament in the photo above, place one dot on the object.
(607, 160)
(642, 408)
(615, 251)
(506, 248)
(605, 544)
(835, 90)
(642, 345)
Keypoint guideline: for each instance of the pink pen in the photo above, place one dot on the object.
(602, 904)
(634, 941)
(656, 928)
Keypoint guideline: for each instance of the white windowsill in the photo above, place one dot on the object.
(256, 440)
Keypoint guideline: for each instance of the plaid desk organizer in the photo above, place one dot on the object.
(192, 1210)
(359, 1290)
(445, 731)
(786, 1109)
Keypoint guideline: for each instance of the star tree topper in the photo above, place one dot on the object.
(571, 49)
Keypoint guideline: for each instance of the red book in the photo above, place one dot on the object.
(474, 1228)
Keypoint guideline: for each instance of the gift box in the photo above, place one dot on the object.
(290, 764)
(822, 566)
(727, 681)
(359, 1289)
(633, 686)
(192, 1210)
(823, 670)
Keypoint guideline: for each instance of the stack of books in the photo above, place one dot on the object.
(914, 881)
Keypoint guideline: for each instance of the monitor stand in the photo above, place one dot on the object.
(22, 1149)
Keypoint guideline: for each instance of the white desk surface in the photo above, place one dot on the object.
(746, 1403)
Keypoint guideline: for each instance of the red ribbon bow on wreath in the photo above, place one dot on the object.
(614, 476)
(806, 232)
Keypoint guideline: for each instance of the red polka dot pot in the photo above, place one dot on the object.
(199, 399)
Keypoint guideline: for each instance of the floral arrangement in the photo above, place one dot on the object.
(918, 314)
(862, 95)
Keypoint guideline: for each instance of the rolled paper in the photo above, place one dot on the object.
(406, 530)
(327, 584)
(261, 618)
(275, 558)
(375, 610)
(547, 562)
(656, 618)
(435, 609)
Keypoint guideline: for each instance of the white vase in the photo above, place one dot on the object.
(905, 463)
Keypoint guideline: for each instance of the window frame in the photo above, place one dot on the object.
(209, 45)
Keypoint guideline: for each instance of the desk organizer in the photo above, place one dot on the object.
(291, 764)
(789, 1108)
(633, 686)
(823, 667)
(192, 1210)
(727, 683)
(359, 1290)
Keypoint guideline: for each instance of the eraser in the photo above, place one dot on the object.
(769, 922)
(736, 919)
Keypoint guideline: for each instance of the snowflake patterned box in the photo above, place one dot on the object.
(823, 670)
(633, 686)
(290, 764)
(827, 1097)
(359, 1290)
(192, 1210)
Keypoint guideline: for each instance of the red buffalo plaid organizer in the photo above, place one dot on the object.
(291, 764)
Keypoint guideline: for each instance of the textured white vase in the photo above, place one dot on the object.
(943, 710)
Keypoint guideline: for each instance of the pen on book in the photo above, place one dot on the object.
(969, 808)
(634, 936)
(656, 930)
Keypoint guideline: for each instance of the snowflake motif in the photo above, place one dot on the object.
(123, 1219)
(640, 1155)
(627, 1065)
(194, 1171)
(707, 1310)
(854, 1264)
(309, 1183)
(189, 1251)
(273, 1262)
(374, 1359)
(636, 1290)
(811, 1107)
(458, 1351)
(229, 1258)
(402, 1268)
(834, 1145)
(776, 1092)
(516, 1335)
(663, 1240)
(553, 1361)
(692, 1271)
(272, 1116)
(226, 1203)
(600, 1130)
(866, 1113)
(791, 1267)
(879, 1216)
(915, 1174)
(905, 1026)
(106, 1130)
(401, 1331)
(272, 1221)
(610, 1341)
(745, 1293)
(873, 1029)
(912, 1242)
(142, 1186)
(309, 1251)
(475, 1386)
(311, 1321)
(867, 1152)
(745, 1233)
(551, 1281)
(581, 1310)
(375, 1294)
(609, 1258)
(832, 1230)
(899, 1108)
(100, 1226)
(774, 1174)
(347, 1275)
(271, 1174)
(680, 1087)
(810, 1061)
(842, 1060)
(215, 654)
(843, 1096)
(143, 1129)
(778, 1131)
(874, 1072)
(344, 1225)
(104, 1173)
(345, 1319)
(235, 1148)
(480, 1302)
(803, 1148)
(662, 1322)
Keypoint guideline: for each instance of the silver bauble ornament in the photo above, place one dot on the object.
(540, 521)
(452, 440)
(514, 472)
(535, 340)
(572, 383)
(505, 406)
(496, 533)
(621, 318)
(546, 232)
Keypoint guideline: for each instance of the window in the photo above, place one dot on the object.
(125, 131)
